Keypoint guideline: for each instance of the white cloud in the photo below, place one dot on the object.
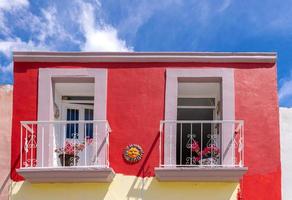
(9, 45)
(285, 90)
(104, 39)
(101, 36)
(9, 6)
(7, 69)
(6, 48)
(80, 28)
(225, 4)
(54, 29)
(13, 4)
(139, 12)
(3, 28)
(6, 73)
(50, 27)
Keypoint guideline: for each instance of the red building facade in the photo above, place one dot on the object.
(136, 97)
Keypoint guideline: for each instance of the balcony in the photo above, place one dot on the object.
(65, 151)
(201, 151)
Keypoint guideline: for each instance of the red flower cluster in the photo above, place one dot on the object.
(195, 147)
(197, 159)
(72, 148)
(211, 151)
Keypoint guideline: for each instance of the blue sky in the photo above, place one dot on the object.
(149, 25)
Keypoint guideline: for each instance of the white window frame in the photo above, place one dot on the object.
(172, 78)
(46, 104)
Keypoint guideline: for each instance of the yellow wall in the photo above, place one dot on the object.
(125, 187)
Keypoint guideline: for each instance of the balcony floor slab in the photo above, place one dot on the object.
(67, 174)
(202, 174)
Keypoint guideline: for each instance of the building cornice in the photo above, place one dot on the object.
(85, 57)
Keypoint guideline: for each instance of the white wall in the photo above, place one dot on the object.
(5, 138)
(286, 152)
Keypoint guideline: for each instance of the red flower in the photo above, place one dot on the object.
(212, 150)
(195, 147)
(196, 159)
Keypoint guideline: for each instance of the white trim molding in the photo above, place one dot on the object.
(208, 57)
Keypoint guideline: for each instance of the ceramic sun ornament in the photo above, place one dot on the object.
(133, 153)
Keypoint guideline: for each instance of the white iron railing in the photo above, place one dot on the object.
(51, 144)
(218, 143)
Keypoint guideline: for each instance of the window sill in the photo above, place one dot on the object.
(67, 174)
(212, 174)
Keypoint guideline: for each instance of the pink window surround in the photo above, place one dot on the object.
(172, 79)
(45, 102)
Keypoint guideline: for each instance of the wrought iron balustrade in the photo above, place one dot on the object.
(217, 143)
(54, 144)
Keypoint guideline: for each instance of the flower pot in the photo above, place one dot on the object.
(68, 160)
(209, 161)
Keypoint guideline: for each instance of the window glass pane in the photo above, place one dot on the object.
(72, 130)
(78, 98)
(195, 114)
(88, 114)
(89, 126)
(196, 102)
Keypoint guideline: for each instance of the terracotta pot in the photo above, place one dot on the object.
(68, 160)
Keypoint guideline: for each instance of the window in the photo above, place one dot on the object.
(194, 95)
(199, 138)
(191, 109)
(76, 94)
(67, 99)
(197, 101)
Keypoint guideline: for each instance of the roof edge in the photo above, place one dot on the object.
(239, 57)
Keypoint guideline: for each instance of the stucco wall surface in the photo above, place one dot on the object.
(5, 139)
(125, 188)
(256, 102)
(286, 152)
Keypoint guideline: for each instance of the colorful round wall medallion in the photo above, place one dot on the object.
(133, 153)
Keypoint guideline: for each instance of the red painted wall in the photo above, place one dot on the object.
(257, 103)
(135, 108)
(135, 105)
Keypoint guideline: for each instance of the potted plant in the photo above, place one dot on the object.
(68, 155)
(210, 155)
